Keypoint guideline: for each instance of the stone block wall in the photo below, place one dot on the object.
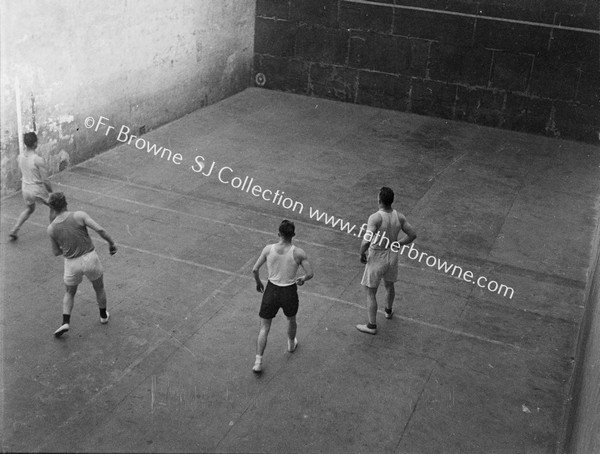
(507, 64)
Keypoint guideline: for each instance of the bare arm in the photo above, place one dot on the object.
(56, 250)
(89, 222)
(256, 269)
(41, 165)
(373, 225)
(409, 230)
(306, 266)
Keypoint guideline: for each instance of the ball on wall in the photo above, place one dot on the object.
(260, 79)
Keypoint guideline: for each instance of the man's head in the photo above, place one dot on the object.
(287, 229)
(57, 202)
(386, 196)
(30, 140)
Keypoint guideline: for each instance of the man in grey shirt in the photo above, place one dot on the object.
(69, 237)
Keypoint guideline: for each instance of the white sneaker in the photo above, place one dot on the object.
(104, 321)
(292, 347)
(62, 330)
(257, 368)
(366, 329)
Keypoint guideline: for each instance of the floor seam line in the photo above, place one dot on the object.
(134, 365)
(318, 295)
(414, 409)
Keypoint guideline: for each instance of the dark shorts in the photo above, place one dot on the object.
(276, 297)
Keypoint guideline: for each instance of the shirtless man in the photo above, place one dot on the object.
(283, 260)
(382, 262)
(34, 181)
(69, 237)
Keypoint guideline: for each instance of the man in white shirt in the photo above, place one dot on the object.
(382, 260)
(283, 260)
(34, 182)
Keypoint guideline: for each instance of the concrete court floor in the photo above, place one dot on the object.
(458, 370)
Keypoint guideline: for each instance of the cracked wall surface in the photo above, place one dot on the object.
(140, 63)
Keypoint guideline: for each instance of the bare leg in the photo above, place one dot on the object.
(371, 326)
(22, 218)
(292, 327)
(98, 285)
(391, 294)
(52, 214)
(69, 299)
(372, 305)
(261, 343)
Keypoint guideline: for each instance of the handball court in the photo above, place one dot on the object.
(458, 369)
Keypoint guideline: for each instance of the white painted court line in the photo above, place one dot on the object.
(243, 227)
(419, 322)
(157, 343)
(316, 295)
(204, 218)
(475, 16)
(189, 197)
(329, 298)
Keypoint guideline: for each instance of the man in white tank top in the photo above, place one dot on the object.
(283, 260)
(383, 228)
(34, 182)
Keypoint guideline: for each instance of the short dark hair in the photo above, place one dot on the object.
(386, 196)
(287, 229)
(30, 139)
(57, 201)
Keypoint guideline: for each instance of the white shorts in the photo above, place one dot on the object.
(88, 264)
(33, 193)
(381, 264)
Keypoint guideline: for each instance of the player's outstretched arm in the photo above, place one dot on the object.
(306, 266)
(256, 269)
(89, 222)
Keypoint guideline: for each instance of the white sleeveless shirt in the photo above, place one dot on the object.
(30, 173)
(282, 267)
(390, 227)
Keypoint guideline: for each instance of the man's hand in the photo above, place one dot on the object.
(300, 280)
(363, 257)
(112, 249)
(259, 287)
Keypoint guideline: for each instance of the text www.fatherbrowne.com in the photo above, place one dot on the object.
(413, 253)
(226, 175)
